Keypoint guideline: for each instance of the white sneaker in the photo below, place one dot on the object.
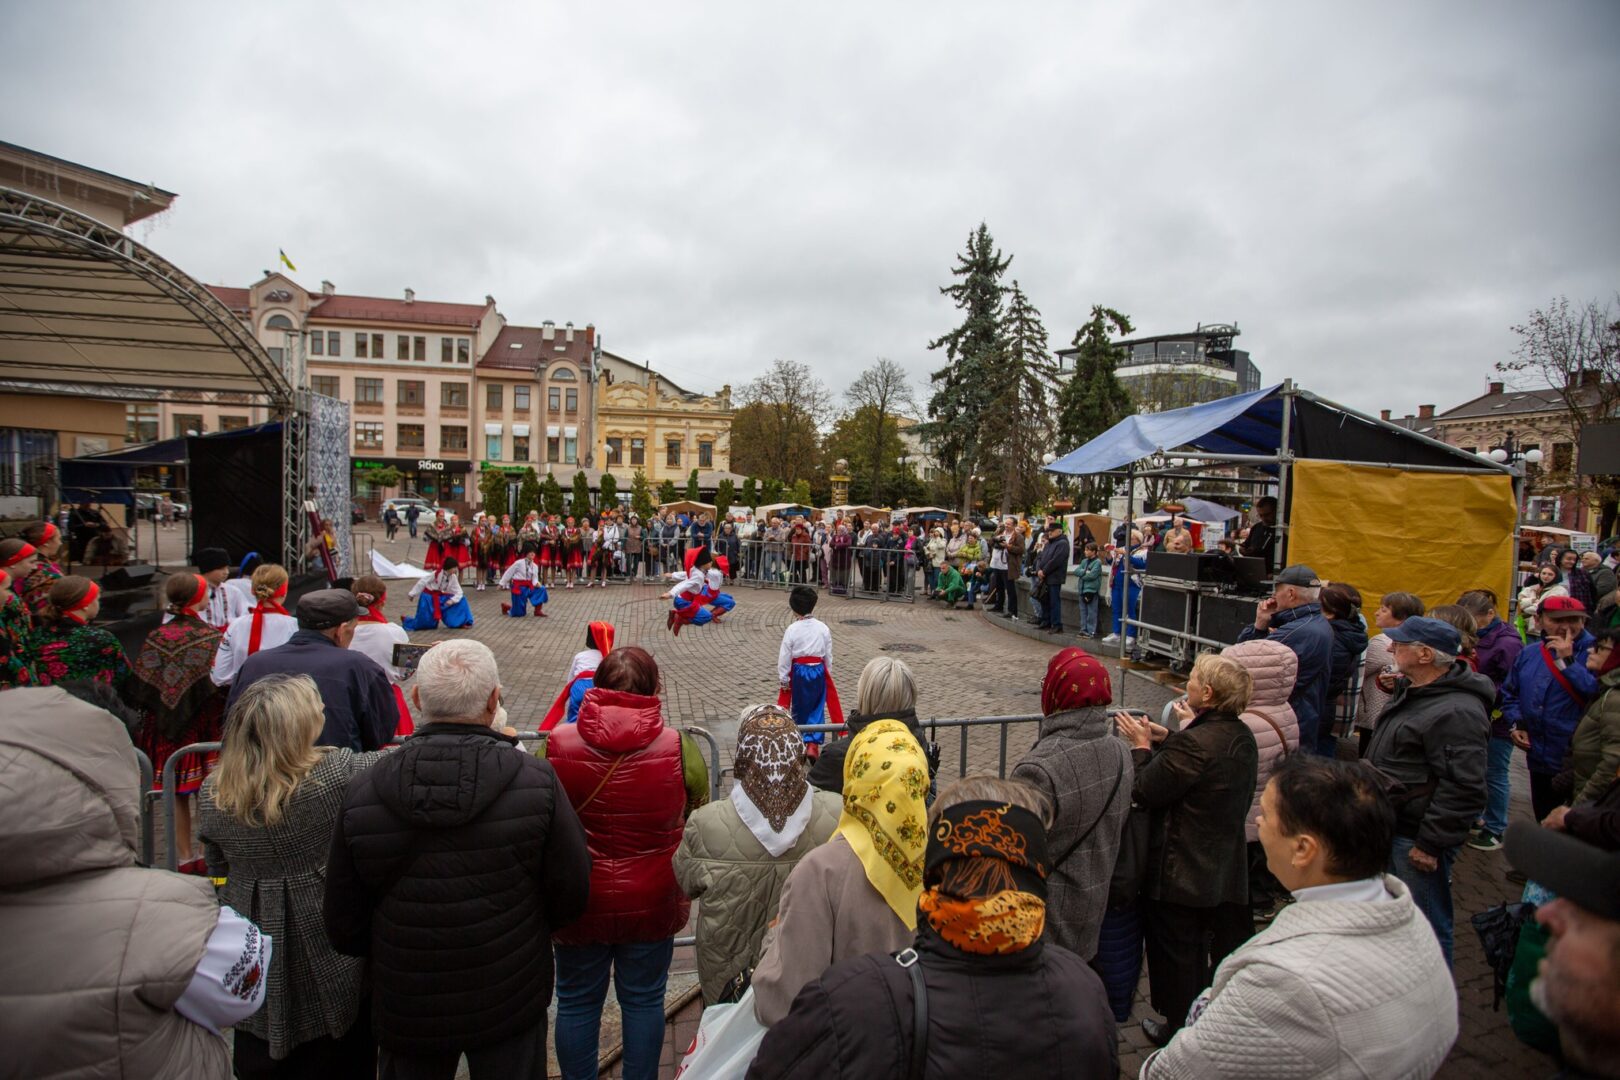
(1111, 639)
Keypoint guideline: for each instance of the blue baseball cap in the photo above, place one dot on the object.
(1437, 634)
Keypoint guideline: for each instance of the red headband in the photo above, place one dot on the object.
(50, 533)
(5, 579)
(202, 593)
(22, 553)
(89, 598)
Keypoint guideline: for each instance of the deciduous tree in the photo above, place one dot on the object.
(877, 399)
(774, 431)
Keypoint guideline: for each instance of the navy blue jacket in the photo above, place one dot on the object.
(1535, 703)
(1307, 633)
(360, 709)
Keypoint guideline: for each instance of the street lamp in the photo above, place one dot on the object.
(1048, 457)
(1524, 460)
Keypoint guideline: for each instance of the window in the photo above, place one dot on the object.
(140, 423)
(360, 341)
(326, 385)
(492, 447)
(554, 450)
(419, 348)
(1563, 457)
(520, 399)
(453, 395)
(562, 374)
(570, 450)
(334, 343)
(187, 424)
(672, 453)
(553, 400)
(317, 344)
(638, 451)
(705, 455)
(615, 450)
(232, 423)
(278, 322)
(412, 392)
(453, 437)
(446, 353)
(404, 344)
(492, 397)
(369, 391)
(573, 400)
(520, 448)
(377, 346)
(412, 437)
(463, 350)
(368, 435)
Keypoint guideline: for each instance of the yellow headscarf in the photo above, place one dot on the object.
(885, 818)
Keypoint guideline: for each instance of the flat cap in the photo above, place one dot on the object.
(327, 608)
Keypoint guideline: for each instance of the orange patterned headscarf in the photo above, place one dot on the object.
(1075, 680)
(984, 878)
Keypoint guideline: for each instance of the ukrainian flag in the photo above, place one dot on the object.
(286, 261)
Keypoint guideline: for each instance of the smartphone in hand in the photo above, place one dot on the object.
(407, 656)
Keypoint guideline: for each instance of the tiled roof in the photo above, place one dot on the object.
(1511, 403)
(341, 307)
(233, 298)
(520, 348)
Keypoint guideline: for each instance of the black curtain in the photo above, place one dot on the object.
(236, 493)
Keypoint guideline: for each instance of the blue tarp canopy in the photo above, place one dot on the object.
(1204, 510)
(1251, 424)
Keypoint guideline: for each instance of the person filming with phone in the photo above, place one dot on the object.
(1546, 693)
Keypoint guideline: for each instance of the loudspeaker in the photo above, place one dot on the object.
(1169, 608)
(1222, 618)
(133, 576)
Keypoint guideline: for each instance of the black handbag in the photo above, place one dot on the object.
(1131, 864)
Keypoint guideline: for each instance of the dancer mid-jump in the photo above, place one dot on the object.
(697, 595)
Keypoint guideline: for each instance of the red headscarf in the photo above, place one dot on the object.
(601, 635)
(1074, 680)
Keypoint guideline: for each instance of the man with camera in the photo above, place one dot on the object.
(1006, 561)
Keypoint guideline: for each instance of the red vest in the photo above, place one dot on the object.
(622, 770)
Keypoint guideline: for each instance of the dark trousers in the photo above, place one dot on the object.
(1184, 945)
(522, 1057)
(1542, 799)
(1054, 604)
(1012, 595)
(355, 1054)
(998, 590)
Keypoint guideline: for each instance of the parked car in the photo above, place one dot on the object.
(357, 513)
(401, 503)
(146, 505)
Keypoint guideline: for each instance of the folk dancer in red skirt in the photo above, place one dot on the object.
(435, 535)
(573, 549)
(179, 703)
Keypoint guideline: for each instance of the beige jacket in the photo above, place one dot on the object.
(737, 884)
(96, 950)
(829, 912)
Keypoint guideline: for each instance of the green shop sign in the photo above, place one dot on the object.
(361, 464)
(510, 470)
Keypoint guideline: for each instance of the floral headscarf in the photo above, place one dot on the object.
(986, 877)
(885, 816)
(772, 796)
(1074, 680)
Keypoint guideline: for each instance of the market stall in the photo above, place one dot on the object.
(1360, 500)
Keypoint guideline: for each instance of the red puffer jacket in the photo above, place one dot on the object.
(621, 768)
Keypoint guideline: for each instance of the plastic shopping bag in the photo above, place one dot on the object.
(727, 1039)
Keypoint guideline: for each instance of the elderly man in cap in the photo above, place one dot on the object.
(1578, 983)
(1051, 567)
(1430, 748)
(1546, 693)
(1293, 616)
(360, 710)
(214, 567)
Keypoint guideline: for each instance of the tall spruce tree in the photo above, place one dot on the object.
(692, 486)
(750, 493)
(1093, 400)
(961, 388)
(529, 494)
(667, 492)
(551, 496)
(1018, 417)
(579, 504)
(725, 494)
(641, 500)
(609, 496)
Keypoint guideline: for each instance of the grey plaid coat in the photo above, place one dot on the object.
(276, 876)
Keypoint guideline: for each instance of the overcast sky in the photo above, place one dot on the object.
(1374, 194)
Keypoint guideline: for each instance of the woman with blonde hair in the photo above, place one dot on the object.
(178, 703)
(66, 648)
(267, 814)
(265, 627)
(1198, 785)
(887, 690)
(858, 892)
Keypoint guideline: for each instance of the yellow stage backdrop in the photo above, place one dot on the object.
(1388, 530)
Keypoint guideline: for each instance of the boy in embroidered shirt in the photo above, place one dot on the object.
(804, 669)
(697, 596)
(523, 579)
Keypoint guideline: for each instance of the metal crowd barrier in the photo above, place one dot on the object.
(172, 765)
(880, 573)
(961, 724)
(769, 564)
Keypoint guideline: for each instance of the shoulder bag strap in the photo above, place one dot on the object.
(908, 959)
(602, 783)
(1059, 861)
(1552, 666)
(1278, 729)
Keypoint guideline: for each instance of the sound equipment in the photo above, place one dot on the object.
(133, 576)
(1209, 568)
(1170, 608)
(1221, 618)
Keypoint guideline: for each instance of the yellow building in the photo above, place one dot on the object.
(645, 422)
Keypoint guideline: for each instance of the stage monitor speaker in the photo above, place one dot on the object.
(1172, 564)
(133, 576)
(1169, 608)
(1222, 618)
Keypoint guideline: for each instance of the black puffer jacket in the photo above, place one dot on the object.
(453, 860)
(1036, 1013)
(1199, 784)
(1349, 642)
(828, 771)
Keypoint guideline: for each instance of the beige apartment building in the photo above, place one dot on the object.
(645, 422)
(536, 402)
